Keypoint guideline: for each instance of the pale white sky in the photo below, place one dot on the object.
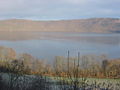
(59, 9)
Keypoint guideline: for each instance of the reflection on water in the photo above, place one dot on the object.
(48, 45)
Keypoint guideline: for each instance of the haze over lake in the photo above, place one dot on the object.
(47, 45)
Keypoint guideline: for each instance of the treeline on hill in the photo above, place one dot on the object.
(66, 70)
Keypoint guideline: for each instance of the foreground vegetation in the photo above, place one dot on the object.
(24, 72)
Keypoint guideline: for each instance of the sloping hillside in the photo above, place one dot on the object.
(98, 25)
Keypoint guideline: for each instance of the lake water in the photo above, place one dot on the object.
(47, 45)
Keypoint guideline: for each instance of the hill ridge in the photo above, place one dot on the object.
(97, 25)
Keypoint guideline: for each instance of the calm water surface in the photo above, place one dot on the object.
(50, 45)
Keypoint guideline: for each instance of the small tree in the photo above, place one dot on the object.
(104, 66)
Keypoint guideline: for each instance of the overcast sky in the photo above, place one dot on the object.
(59, 9)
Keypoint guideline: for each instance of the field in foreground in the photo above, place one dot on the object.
(9, 81)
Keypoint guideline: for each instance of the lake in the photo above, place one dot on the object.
(47, 45)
